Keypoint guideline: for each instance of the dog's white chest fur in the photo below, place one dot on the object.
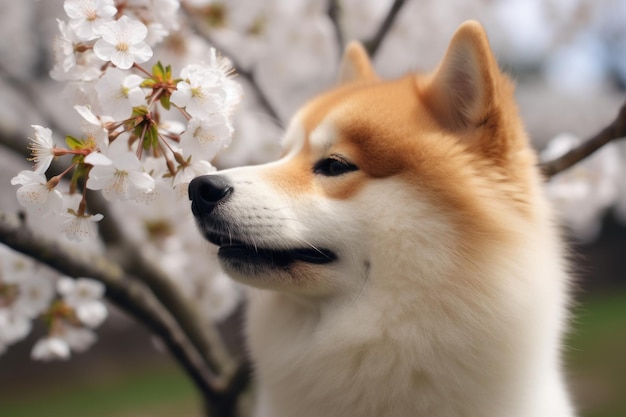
(401, 354)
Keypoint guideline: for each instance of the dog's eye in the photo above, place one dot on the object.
(334, 166)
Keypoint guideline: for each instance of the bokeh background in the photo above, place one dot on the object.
(568, 58)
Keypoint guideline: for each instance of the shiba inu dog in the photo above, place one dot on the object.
(402, 258)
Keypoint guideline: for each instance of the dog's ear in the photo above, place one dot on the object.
(355, 65)
(462, 90)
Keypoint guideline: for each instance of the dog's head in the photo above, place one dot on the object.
(412, 174)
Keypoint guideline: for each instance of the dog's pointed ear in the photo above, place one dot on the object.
(462, 90)
(355, 64)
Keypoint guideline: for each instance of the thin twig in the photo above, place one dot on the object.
(616, 130)
(334, 14)
(374, 43)
(201, 30)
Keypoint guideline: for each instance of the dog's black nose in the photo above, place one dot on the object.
(208, 191)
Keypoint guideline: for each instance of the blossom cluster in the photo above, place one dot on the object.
(70, 309)
(140, 126)
(146, 132)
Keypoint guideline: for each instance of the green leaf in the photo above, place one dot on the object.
(165, 101)
(158, 71)
(73, 142)
(153, 134)
(140, 111)
(80, 171)
(149, 83)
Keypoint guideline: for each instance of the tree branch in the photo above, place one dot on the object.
(616, 130)
(334, 14)
(374, 43)
(123, 290)
(26, 91)
(204, 336)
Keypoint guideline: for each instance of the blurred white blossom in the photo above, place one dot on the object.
(35, 292)
(87, 17)
(84, 295)
(50, 348)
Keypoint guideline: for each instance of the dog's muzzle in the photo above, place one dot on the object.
(207, 193)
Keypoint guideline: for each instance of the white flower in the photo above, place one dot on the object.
(78, 227)
(221, 297)
(119, 93)
(185, 175)
(65, 47)
(165, 13)
(35, 194)
(14, 326)
(233, 89)
(35, 293)
(87, 17)
(15, 267)
(94, 127)
(123, 43)
(78, 338)
(42, 148)
(156, 34)
(201, 92)
(122, 177)
(50, 348)
(212, 133)
(84, 296)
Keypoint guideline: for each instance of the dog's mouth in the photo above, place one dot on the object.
(236, 252)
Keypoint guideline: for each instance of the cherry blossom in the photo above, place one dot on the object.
(201, 92)
(212, 134)
(35, 292)
(119, 92)
(65, 47)
(78, 227)
(14, 326)
(94, 126)
(87, 17)
(122, 177)
(123, 43)
(79, 339)
(50, 348)
(187, 173)
(84, 295)
(42, 148)
(36, 194)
